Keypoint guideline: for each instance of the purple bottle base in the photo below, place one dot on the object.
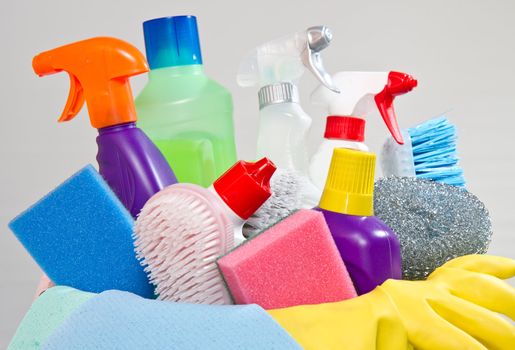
(132, 165)
(368, 247)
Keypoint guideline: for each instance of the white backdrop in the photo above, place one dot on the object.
(462, 53)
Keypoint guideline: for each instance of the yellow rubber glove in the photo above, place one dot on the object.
(368, 322)
(456, 308)
(451, 310)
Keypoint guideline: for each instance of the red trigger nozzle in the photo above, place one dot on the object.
(398, 84)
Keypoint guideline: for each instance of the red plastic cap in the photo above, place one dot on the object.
(246, 186)
(398, 84)
(345, 128)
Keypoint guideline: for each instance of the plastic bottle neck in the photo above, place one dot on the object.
(193, 69)
(116, 128)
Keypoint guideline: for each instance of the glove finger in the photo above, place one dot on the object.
(484, 290)
(484, 325)
(391, 335)
(428, 331)
(497, 266)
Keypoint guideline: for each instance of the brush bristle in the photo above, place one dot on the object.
(434, 152)
(290, 192)
(178, 238)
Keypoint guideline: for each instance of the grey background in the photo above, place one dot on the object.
(462, 52)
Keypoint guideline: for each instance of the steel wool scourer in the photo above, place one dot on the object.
(435, 222)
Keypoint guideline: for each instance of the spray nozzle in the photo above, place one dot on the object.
(319, 38)
(364, 92)
(99, 70)
(398, 84)
(284, 59)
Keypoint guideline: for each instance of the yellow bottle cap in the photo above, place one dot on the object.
(349, 188)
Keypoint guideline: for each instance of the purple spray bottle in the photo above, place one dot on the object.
(99, 70)
(369, 248)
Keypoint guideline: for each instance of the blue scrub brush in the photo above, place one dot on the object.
(429, 152)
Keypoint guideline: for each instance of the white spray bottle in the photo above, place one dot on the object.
(361, 94)
(276, 67)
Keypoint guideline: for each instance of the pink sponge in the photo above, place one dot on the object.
(292, 263)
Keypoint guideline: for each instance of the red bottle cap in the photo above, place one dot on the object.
(246, 186)
(345, 128)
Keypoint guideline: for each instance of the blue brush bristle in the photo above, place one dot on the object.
(434, 152)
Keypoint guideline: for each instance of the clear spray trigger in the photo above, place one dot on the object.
(318, 38)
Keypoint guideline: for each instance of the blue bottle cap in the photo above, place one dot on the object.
(172, 41)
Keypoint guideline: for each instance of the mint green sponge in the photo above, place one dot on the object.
(47, 313)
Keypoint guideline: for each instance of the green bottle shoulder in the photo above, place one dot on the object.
(183, 90)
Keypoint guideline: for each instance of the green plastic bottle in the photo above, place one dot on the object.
(185, 113)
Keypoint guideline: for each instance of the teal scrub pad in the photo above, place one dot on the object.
(121, 320)
(81, 236)
(45, 315)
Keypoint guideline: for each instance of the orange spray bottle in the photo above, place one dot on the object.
(99, 70)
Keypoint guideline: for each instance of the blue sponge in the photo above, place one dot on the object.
(81, 236)
(120, 320)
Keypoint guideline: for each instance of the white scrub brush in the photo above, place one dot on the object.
(184, 228)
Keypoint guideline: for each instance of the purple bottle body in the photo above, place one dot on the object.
(368, 247)
(132, 165)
